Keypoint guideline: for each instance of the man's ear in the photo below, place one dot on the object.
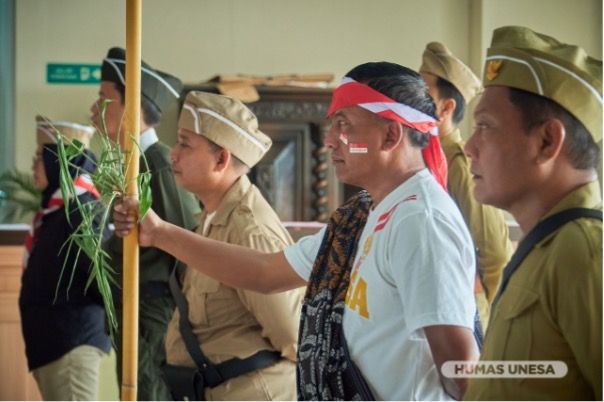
(551, 135)
(394, 135)
(222, 159)
(448, 108)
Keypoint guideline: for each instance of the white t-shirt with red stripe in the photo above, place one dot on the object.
(414, 268)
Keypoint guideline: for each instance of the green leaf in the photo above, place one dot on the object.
(75, 148)
(19, 197)
(65, 180)
(145, 195)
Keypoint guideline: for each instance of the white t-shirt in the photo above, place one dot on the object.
(414, 268)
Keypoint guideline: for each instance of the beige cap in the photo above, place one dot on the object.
(439, 61)
(523, 59)
(46, 131)
(227, 122)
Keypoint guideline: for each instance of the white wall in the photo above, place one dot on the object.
(196, 39)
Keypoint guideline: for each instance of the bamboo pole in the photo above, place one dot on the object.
(129, 141)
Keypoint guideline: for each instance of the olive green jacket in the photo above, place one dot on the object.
(552, 310)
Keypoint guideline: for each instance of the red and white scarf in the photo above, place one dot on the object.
(353, 93)
(83, 184)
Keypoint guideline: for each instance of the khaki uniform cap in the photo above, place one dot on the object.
(439, 61)
(46, 131)
(523, 59)
(227, 122)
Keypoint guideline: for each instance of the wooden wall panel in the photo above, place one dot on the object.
(16, 383)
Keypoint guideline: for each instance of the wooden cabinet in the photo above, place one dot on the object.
(16, 383)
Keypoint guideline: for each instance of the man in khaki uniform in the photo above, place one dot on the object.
(452, 86)
(534, 154)
(218, 142)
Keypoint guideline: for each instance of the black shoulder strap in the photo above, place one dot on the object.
(211, 375)
(214, 374)
(539, 232)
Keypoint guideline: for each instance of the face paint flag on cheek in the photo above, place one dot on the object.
(352, 93)
(355, 148)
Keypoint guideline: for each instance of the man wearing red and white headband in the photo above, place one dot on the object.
(380, 315)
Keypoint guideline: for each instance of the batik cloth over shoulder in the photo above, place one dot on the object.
(323, 372)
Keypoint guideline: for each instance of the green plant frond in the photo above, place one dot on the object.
(143, 183)
(110, 180)
(18, 195)
(21, 201)
(74, 148)
(73, 271)
(65, 181)
(92, 278)
(68, 243)
(15, 180)
(145, 195)
(104, 104)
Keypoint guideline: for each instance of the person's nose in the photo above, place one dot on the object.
(94, 107)
(331, 138)
(470, 147)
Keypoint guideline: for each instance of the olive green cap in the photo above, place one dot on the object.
(161, 88)
(46, 131)
(523, 59)
(227, 122)
(439, 61)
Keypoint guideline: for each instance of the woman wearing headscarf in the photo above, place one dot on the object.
(63, 319)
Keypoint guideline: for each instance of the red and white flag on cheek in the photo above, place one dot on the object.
(357, 148)
(353, 148)
(352, 93)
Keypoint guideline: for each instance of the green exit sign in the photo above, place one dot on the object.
(73, 73)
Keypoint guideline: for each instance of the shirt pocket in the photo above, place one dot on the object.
(514, 324)
(199, 290)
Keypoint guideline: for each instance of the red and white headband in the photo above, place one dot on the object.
(352, 93)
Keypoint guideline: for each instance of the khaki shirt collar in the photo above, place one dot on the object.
(452, 145)
(231, 199)
(586, 196)
(451, 139)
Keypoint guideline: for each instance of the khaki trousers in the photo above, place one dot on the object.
(72, 377)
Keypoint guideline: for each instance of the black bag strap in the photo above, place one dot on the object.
(538, 233)
(211, 375)
(235, 367)
(214, 374)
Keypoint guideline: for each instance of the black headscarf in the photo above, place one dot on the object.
(78, 165)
